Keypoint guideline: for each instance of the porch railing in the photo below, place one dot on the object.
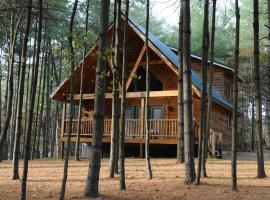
(159, 128)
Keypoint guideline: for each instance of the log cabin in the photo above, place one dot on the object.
(163, 94)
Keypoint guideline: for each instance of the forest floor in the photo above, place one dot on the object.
(168, 183)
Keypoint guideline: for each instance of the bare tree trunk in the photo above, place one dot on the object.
(253, 120)
(11, 49)
(180, 141)
(187, 97)
(258, 97)
(41, 114)
(147, 99)
(33, 156)
(32, 101)
(1, 74)
(71, 111)
(204, 64)
(209, 101)
(235, 99)
(14, 111)
(115, 100)
(268, 71)
(92, 182)
(18, 130)
(122, 178)
(77, 150)
(48, 106)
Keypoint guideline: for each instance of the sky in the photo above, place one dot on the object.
(169, 9)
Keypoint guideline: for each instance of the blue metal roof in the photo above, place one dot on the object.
(173, 58)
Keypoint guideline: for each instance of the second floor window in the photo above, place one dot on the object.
(228, 90)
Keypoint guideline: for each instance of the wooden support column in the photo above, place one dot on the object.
(62, 145)
(213, 143)
(142, 126)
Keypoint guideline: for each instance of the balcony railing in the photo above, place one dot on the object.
(159, 128)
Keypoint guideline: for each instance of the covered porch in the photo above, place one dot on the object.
(163, 119)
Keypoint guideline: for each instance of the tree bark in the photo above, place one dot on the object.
(187, 97)
(18, 129)
(268, 72)
(115, 101)
(210, 86)
(33, 156)
(122, 178)
(235, 99)
(258, 97)
(32, 102)
(47, 122)
(41, 114)
(204, 65)
(11, 49)
(77, 150)
(180, 138)
(71, 111)
(147, 99)
(92, 182)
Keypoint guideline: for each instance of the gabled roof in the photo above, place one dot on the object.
(218, 64)
(173, 58)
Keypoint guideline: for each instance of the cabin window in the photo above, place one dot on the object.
(228, 90)
(229, 121)
(156, 112)
(134, 112)
(138, 82)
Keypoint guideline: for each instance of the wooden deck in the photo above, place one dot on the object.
(162, 131)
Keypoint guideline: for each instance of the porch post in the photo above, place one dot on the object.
(62, 145)
(213, 143)
(142, 126)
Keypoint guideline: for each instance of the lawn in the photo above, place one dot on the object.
(168, 183)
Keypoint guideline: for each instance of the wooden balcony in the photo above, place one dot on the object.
(162, 131)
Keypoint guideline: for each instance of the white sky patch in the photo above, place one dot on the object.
(169, 9)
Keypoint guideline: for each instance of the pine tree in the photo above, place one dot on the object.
(257, 89)
(123, 105)
(71, 111)
(187, 90)
(92, 182)
(77, 151)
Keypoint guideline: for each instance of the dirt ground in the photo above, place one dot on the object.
(45, 180)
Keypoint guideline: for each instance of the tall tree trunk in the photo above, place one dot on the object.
(14, 110)
(204, 64)
(48, 106)
(33, 156)
(18, 129)
(115, 100)
(122, 178)
(41, 114)
(253, 120)
(210, 86)
(71, 111)
(258, 97)
(235, 99)
(11, 50)
(268, 72)
(187, 97)
(92, 182)
(1, 74)
(34, 78)
(147, 99)
(180, 138)
(77, 151)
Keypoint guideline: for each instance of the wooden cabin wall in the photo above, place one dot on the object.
(220, 76)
